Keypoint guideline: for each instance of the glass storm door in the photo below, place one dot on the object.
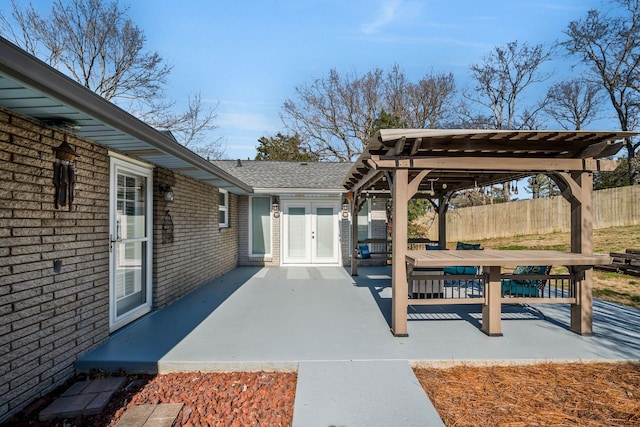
(130, 243)
(311, 233)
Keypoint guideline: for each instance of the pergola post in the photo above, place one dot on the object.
(442, 223)
(354, 235)
(582, 242)
(399, 285)
(577, 188)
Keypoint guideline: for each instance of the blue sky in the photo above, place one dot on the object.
(248, 56)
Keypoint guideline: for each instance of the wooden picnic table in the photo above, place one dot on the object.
(493, 260)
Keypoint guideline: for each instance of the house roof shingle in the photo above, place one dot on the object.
(283, 176)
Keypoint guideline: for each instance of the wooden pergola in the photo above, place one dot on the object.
(407, 163)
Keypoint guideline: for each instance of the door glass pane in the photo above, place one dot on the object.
(297, 232)
(130, 281)
(260, 225)
(131, 207)
(130, 277)
(324, 232)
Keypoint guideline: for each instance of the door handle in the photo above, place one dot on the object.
(112, 241)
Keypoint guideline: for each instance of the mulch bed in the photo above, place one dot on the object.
(572, 394)
(210, 399)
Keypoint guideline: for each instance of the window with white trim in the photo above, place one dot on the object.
(260, 226)
(223, 208)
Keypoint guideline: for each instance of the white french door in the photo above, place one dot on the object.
(130, 233)
(311, 233)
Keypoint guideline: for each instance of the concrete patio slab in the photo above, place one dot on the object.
(271, 319)
(305, 318)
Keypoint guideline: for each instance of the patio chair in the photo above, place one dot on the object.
(363, 252)
(526, 287)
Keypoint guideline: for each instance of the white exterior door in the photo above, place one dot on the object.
(130, 248)
(310, 233)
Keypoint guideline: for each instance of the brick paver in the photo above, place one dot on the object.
(162, 415)
(83, 398)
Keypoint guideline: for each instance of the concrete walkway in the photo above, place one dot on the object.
(286, 318)
(361, 393)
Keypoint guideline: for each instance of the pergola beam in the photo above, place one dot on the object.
(512, 164)
(367, 180)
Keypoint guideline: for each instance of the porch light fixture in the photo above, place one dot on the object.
(167, 193)
(431, 191)
(64, 175)
(276, 210)
(345, 209)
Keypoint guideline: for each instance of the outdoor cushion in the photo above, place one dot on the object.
(433, 247)
(364, 251)
(460, 270)
(526, 287)
(461, 246)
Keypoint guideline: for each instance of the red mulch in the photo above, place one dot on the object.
(210, 399)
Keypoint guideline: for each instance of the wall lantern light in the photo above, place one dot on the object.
(167, 193)
(275, 209)
(64, 175)
(345, 209)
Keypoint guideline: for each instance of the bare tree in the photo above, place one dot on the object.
(336, 114)
(429, 101)
(192, 127)
(96, 44)
(574, 103)
(610, 46)
(502, 77)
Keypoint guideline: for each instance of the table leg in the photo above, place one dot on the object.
(582, 311)
(491, 309)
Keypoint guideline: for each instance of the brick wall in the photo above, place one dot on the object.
(48, 319)
(200, 250)
(345, 240)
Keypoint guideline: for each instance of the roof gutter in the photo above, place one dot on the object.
(298, 191)
(31, 71)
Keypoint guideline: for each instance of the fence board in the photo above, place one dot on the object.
(612, 207)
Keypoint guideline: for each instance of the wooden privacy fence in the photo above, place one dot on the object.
(612, 207)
